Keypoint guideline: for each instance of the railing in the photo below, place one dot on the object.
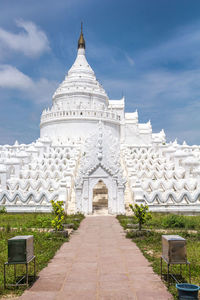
(80, 114)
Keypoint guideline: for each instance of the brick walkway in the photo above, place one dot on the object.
(98, 263)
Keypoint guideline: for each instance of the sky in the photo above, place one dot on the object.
(145, 50)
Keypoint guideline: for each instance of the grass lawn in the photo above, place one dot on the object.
(45, 243)
(34, 220)
(151, 246)
(165, 221)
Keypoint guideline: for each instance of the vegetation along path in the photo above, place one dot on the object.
(98, 263)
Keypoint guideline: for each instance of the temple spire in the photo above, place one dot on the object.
(81, 41)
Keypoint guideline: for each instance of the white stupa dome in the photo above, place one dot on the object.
(80, 80)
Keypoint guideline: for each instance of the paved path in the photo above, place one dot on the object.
(98, 263)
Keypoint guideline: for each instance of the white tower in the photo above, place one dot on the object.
(79, 103)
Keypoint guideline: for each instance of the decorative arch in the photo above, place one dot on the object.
(101, 161)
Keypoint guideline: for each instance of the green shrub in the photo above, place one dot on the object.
(58, 210)
(192, 222)
(3, 210)
(141, 213)
(44, 221)
(173, 221)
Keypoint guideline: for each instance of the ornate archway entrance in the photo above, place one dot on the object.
(100, 198)
(100, 174)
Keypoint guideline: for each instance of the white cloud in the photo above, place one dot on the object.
(10, 77)
(31, 40)
(39, 91)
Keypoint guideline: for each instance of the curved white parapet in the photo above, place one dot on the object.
(77, 124)
(46, 175)
(78, 114)
(171, 197)
(29, 202)
(86, 137)
(161, 178)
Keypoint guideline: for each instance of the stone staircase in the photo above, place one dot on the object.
(100, 210)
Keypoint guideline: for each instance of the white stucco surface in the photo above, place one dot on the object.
(86, 137)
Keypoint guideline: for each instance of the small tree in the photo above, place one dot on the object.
(142, 213)
(58, 210)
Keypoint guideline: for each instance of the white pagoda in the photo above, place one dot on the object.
(97, 158)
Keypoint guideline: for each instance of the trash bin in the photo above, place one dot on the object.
(187, 291)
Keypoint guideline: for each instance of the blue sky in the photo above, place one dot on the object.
(146, 50)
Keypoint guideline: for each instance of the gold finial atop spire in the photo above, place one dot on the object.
(81, 41)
